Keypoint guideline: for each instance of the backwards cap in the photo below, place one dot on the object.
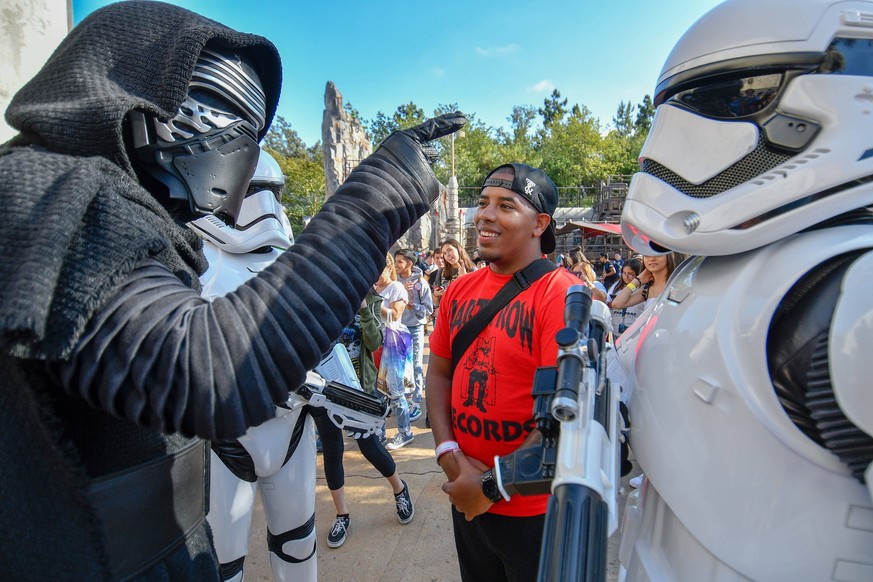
(537, 188)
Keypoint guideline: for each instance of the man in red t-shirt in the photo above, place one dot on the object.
(483, 407)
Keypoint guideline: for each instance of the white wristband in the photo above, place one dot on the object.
(446, 447)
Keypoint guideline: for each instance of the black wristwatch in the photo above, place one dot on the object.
(489, 486)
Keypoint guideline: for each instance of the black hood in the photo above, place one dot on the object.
(130, 55)
(76, 218)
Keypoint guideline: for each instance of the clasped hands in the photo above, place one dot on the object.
(464, 486)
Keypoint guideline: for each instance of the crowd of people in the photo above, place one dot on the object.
(606, 282)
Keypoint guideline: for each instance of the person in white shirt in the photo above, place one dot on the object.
(395, 298)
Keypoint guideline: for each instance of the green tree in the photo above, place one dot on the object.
(623, 121)
(283, 139)
(446, 108)
(353, 113)
(621, 152)
(521, 122)
(476, 153)
(408, 115)
(622, 146)
(405, 116)
(303, 168)
(316, 153)
(304, 190)
(520, 142)
(379, 127)
(645, 113)
(572, 153)
(553, 109)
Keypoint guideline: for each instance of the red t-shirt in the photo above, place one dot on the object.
(492, 406)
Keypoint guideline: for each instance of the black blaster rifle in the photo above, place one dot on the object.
(574, 450)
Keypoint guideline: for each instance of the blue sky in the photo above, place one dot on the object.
(485, 56)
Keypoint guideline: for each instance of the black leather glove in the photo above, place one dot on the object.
(411, 150)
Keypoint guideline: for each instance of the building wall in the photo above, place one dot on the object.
(30, 30)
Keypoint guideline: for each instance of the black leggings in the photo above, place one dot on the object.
(332, 448)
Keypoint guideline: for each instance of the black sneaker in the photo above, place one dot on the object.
(337, 534)
(405, 508)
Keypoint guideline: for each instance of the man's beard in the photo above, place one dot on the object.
(490, 255)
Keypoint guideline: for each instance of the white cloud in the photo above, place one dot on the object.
(438, 72)
(544, 86)
(496, 51)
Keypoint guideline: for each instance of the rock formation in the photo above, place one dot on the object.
(345, 144)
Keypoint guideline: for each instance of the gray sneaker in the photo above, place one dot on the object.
(405, 508)
(399, 441)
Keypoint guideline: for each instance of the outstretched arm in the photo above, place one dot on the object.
(159, 355)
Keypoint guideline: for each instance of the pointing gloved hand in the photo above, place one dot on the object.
(411, 150)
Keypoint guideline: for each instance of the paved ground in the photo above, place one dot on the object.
(378, 547)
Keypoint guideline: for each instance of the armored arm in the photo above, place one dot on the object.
(850, 337)
(817, 366)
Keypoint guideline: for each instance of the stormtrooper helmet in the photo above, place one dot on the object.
(757, 132)
(261, 222)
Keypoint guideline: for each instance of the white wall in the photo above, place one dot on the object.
(30, 30)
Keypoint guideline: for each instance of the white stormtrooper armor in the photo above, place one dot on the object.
(278, 456)
(751, 409)
(735, 490)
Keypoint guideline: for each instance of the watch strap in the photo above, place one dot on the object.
(489, 486)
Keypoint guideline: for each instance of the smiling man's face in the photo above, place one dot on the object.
(509, 227)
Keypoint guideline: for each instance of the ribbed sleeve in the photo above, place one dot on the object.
(158, 354)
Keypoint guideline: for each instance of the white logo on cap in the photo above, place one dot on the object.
(529, 186)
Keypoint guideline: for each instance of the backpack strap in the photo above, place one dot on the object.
(520, 281)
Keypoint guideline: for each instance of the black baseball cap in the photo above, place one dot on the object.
(537, 188)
